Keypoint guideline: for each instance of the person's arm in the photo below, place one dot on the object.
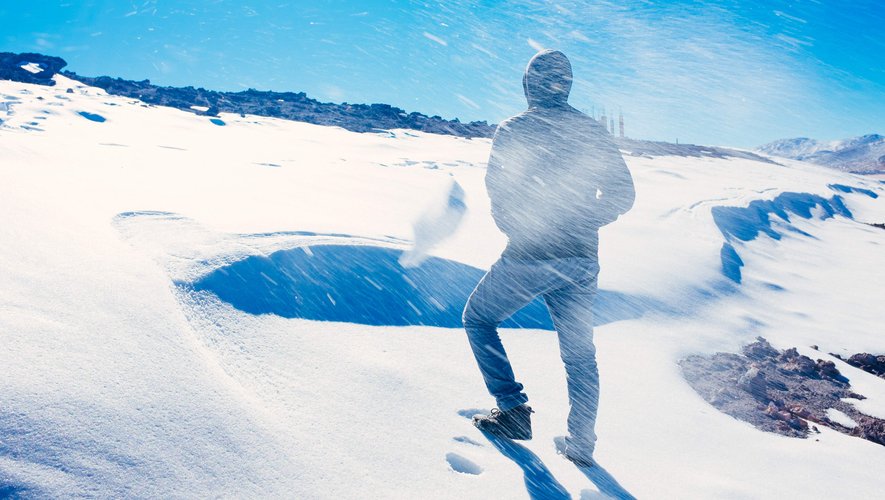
(618, 192)
(498, 182)
(610, 176)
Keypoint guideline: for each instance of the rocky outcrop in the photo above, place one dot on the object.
(30, 68)
(39, 69)
(869, 363)
(287, 105)
(780, 391)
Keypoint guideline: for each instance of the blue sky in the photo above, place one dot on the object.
(722, 72)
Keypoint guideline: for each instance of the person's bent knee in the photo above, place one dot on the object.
(471, 319)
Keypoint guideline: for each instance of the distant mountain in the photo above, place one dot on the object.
(864, 154)
(39, 69)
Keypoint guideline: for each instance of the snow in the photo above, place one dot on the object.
(841, 418)
(122, 377)
(32, 68)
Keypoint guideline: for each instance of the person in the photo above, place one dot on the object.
(554, 177)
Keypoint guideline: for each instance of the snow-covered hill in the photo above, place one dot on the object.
(196, 307)
(864, 154)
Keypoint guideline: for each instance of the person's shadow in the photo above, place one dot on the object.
(539, 481)
(606, 483)
(541, 484)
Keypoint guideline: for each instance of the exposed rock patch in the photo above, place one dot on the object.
(779, 391)
(869, 363)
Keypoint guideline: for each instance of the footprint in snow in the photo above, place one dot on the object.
(466, 440)
(462, 465)
(468, 413)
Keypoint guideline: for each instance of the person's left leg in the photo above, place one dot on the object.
(506, 288)
(571, 308)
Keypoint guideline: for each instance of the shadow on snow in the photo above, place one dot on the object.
(746, 223)
(367, 285)
(539, 481)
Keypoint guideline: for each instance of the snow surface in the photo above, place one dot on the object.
(122, 378)
(841, 418)
(32, 68)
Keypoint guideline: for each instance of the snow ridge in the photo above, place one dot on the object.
(746, 223)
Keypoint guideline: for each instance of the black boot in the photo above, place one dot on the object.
(515, 423)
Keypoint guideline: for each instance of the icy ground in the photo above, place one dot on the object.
(144, 354)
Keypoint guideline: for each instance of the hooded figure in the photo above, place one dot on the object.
(554, 178)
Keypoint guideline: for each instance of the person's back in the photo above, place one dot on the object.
(555, 175)
(554, 178)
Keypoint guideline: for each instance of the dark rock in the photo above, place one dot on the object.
(828, 369)
(753, 381)
(784, 415)
(871, 429)
(11, 67)
(287, 105)
(868, 362)
(760, 349)
(780, 391)
(800, 411)
(793, 362)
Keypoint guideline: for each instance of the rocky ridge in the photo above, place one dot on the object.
(295, 106)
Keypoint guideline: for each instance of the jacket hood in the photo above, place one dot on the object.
(548, 79)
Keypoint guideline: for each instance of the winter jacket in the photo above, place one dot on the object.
(555, 175)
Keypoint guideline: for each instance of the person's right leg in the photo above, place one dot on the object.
(571, 308)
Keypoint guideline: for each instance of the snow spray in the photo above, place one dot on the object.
(436, 223)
